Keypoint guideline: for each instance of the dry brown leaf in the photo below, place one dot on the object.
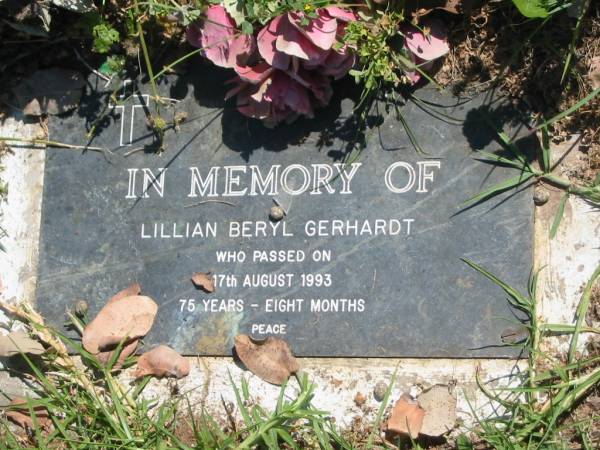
(128, 349)
(204, 281)
(19, 341)
(270, 359)
(21, 415)
(134, 289)
(407, 417)
(162, 361)
(131, 318)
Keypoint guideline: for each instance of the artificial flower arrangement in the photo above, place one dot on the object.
(284, 68)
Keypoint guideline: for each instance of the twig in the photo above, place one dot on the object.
(90, 68)
(131, 152)
(210, 201)
(55, 144)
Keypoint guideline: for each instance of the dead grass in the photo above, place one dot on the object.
(494, 45)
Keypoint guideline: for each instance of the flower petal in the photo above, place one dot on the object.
(292, 42)
(427, 47)
(345, 15)
(256, 74)
(241, 49)
(337, 64)
(266, 44)
(217, 32)
(284, 91)
(320, 31)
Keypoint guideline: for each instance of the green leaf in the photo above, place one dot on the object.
(104, 37)
(545, 150)
(560, 211)
(235, 8)
(247, 27)
(534, 9)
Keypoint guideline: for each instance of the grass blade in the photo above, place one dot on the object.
(499, 188)
(570, 110)
(518, 299)
(582, 309)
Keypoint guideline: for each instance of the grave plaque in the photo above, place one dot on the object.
(366, 261)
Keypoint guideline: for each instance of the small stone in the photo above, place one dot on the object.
(81, 307)
(276, 213)
(540, 196)
(360, 399)
(379, 391)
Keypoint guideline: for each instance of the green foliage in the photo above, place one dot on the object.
(89, 408)
(114, 64)
(526, 172)
(531, 414)
(378, 48)
(105, 36)
(536, 9)
(262, 11)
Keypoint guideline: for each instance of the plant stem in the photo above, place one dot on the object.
(174, 63)
(146, 56)
(589, 193)
(53, 144)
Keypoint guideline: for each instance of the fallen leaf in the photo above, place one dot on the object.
(20, 415)
(128, 319)
(270, 359)
(407, 417)
(162, 361)
(19, 342)
(440, 405)
(204, 281)
(128, 349)
(50, 91)
(134, 289)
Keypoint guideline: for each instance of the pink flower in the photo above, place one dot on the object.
(220, 40)
(424, 49)
(298, 53)
(276, 96)
(285, 37)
